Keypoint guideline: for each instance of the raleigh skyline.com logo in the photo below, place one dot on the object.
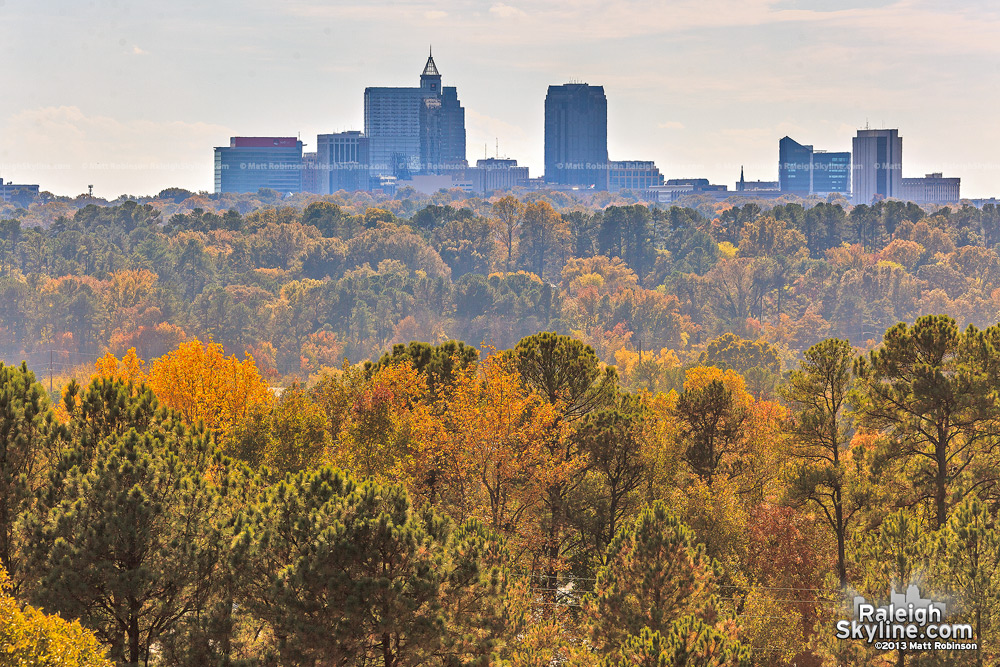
(909, 622)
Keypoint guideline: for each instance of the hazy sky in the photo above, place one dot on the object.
(133, 96)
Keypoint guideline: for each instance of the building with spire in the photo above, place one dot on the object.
(414, 131)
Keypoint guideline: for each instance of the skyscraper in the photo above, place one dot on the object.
(794, 166)
(878, 165)
(576, 136)
(804, 171)
(415, 130)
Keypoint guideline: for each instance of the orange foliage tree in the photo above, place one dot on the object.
(494, 446)
(201, 383)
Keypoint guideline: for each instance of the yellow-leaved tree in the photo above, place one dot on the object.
(201, 383)
(30, 638)
(128, 369)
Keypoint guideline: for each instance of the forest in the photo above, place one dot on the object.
(671, 436)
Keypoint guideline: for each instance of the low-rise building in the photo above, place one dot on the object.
(497, 174)
(251, 163)
(932, 189)
(633, 175)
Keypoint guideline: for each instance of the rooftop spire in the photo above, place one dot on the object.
(430, 69)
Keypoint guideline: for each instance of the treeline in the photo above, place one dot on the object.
(439, 506)
(301, 290)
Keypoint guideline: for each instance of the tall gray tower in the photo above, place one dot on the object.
(878, 165)
(576, 136)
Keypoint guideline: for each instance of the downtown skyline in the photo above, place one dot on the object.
(699, 88)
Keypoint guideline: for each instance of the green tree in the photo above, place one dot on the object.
(712, 424)
(440, 363)
(656, 574)
(130, 543)
(967, 559)
(29, 442)
(690, 642)
(349, 573)
(824, 475)
(930, 391)
(614, 440)
(565, 372)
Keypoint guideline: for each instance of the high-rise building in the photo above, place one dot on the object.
(803, 171)
(878, 165)
(831, 172)
(415, 130)
(794, 166)
(932, 189)
(251, 163)
(576, 136)
(343, 161)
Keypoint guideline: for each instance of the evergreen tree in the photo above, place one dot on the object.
(29, 442)
(826, 475)
(349, 573)
(931, 392)
(656, 573)
(127, 535)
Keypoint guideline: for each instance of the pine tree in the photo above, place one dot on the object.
(349, 573)
(656, 573)
(127, 535)
(30, 440)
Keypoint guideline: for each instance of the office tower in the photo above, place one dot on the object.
(831, 172)
(576, 136)
(878, 165)
(932, 189)
(794, 167)
(251, 163)
(803, 171)
(415, 130)
(343, 161)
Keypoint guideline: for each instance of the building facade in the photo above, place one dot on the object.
(497, 174)
(415, 130)
(878, 165)
(804, 171)
(831, 173)
(633, 175)
(9, 190)
(342, 160)
(576, 136)
(251, 163)
(794, 167)
(932, 189)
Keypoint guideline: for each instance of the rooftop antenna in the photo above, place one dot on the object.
(498, 146)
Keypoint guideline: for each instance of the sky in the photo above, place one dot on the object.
(131, 97)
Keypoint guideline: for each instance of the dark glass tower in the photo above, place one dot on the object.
(576, 136)
(794, 167)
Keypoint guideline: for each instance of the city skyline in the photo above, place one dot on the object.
(701, 89)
